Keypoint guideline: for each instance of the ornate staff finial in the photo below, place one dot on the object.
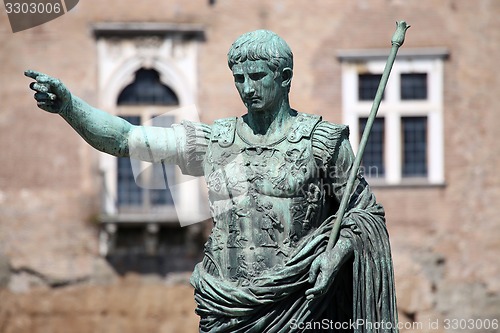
(399, 35)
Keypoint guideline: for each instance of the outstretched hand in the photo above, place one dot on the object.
(50, 94)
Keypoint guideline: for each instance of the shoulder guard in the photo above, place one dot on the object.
(303, 127)
(326, 140)
(223, 131)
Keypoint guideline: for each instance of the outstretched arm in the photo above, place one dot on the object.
(103, 131)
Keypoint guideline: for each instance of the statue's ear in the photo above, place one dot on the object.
(286, 76)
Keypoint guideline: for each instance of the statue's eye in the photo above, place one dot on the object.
(257, 76)
(239, 78)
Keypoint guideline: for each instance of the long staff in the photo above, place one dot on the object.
(397, 40)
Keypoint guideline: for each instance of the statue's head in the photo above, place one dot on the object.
(261, 63)
(261, 45)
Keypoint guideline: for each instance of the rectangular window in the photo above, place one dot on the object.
(373, 165)
(367, 86)
(406, 145)
(414, 86)
(414, 132)
(129, 194)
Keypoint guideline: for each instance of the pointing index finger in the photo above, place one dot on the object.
(32, 74)
(41, 77)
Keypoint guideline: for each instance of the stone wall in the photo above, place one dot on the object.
(127, 306)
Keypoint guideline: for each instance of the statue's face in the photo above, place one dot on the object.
(259, 87)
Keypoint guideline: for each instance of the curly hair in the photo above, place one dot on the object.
(261, 45)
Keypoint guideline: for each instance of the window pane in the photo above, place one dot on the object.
(373, 157)
(367, 86)
(162, 173)
(414, 146)
(147, 89)
(414, 86)
(129, 194)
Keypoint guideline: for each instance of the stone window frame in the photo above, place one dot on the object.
(171, 50)
(393, 108)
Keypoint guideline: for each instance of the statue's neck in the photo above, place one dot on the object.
(269, 122)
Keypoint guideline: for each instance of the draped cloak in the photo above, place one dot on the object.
(361, 297)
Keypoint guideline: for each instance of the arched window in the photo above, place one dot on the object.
(140, 227)
(147, 89)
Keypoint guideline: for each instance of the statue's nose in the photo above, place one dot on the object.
(248, 90)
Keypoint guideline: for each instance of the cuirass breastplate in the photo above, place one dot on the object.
(263, 199)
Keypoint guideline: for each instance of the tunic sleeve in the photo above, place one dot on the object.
(333, 154)
(192, 146)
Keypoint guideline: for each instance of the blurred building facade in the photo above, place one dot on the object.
(82, 245)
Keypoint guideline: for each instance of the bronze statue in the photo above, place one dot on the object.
(275, 181)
